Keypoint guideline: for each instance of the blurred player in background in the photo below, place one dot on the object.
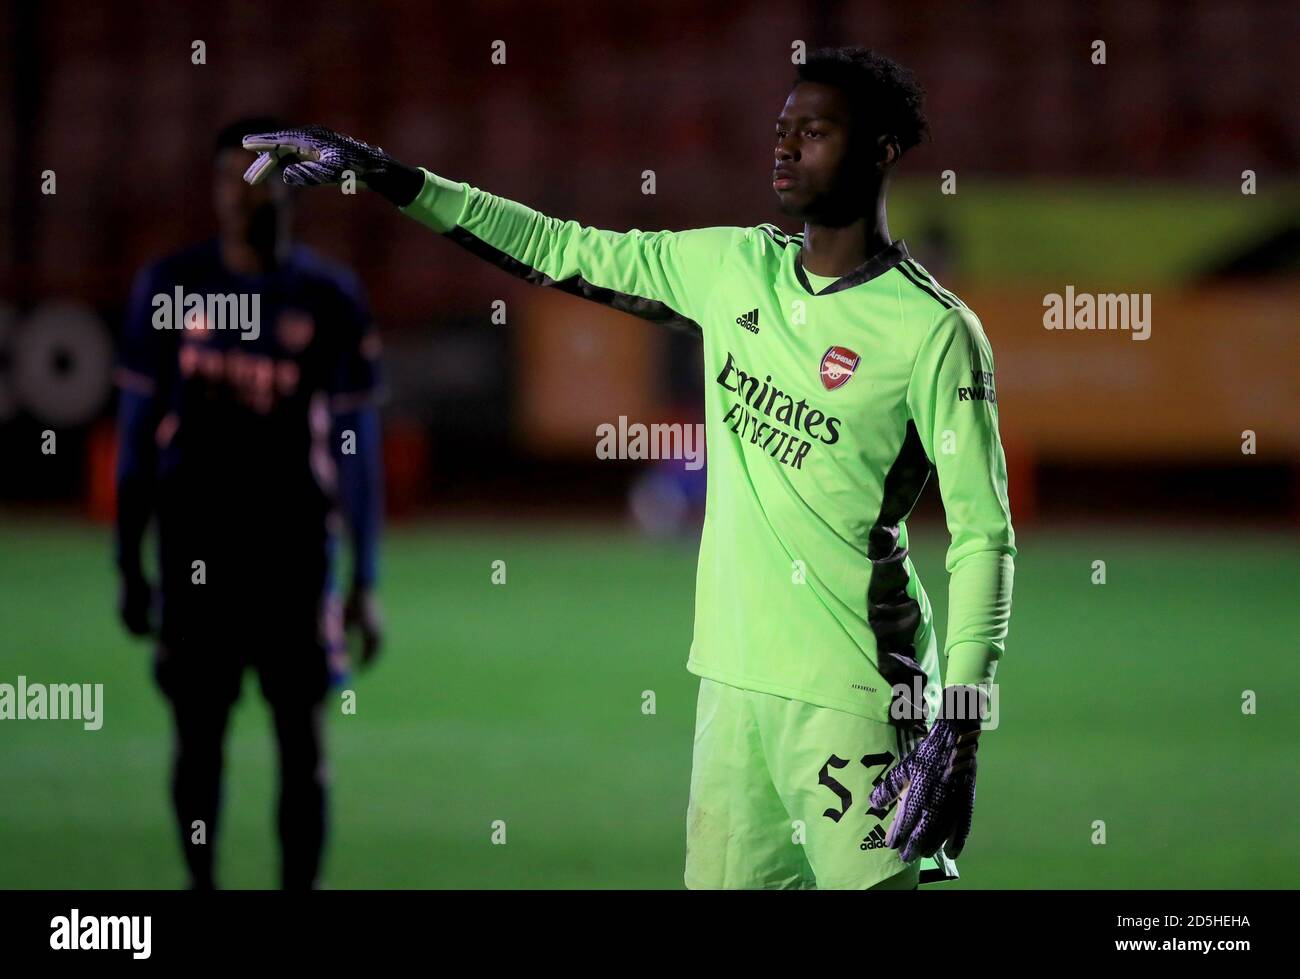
(244, 443)
(838, 375)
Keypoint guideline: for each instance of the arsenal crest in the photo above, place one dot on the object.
(838, 366)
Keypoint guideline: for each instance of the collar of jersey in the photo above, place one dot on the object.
(877, 264)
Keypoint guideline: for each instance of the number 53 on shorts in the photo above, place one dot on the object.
(779, 797)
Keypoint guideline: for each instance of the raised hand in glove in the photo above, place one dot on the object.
(314, 155)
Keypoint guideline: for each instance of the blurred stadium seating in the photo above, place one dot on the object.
(1125, 175)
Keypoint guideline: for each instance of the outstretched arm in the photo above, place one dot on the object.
(664, 276)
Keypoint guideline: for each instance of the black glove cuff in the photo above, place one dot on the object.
(396, 182)
(964, 707)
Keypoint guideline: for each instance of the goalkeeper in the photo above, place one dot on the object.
(838, 374)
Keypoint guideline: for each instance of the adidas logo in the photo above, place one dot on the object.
(748, 320)
(873, 840)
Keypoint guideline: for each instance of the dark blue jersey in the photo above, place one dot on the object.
(248, 408)
(237, 381)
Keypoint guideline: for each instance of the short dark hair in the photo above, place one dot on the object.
(231, 136)
(887, 99)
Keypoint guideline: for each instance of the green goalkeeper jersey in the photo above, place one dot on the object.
(826, 408)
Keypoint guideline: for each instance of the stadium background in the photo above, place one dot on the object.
(523, 702)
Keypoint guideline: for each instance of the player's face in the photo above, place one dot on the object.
(245, 211)
(816, 177)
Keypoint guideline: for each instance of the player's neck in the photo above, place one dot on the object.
(246, 258)
(837, 251)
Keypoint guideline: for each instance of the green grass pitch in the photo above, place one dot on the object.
(522, 702)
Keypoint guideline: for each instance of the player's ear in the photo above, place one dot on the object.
(887, 152)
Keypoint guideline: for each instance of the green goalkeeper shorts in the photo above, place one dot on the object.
(779, 797)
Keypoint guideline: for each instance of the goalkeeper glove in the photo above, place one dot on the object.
(314, 155)
(937, 783)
